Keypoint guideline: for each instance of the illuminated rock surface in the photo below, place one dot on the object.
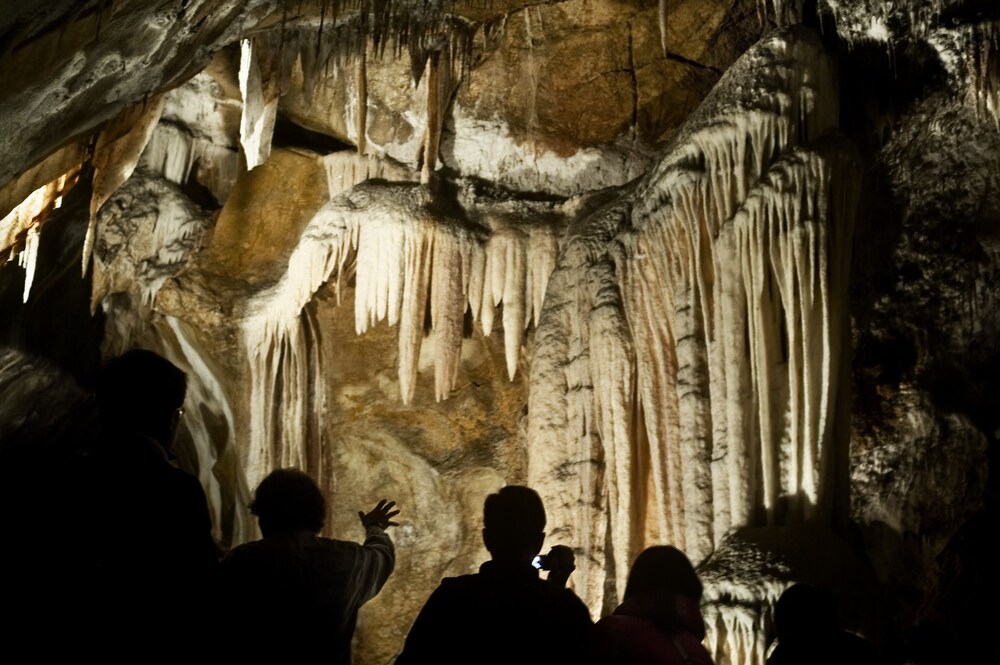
(699, 274)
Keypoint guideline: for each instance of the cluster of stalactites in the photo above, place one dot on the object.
(691, 335)
(739, 627)
(438, 44)
(730, 376)
(347, 31)
(20, 228)
(346, 168)
(401, 263)
(407, 262)
(174, 152)
(968, 46)
(781, 12)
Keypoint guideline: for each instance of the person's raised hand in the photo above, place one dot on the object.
(381, 515)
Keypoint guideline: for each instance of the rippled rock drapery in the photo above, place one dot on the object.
(689, 372)
(686, 358)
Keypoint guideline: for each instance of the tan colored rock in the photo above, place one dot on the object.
(558, 75)
(393, 104)
(548, 79)
(264, 215)
(438, 460)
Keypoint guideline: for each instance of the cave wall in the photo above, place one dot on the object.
(373, 301)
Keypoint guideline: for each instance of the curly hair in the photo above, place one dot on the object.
(288, 500)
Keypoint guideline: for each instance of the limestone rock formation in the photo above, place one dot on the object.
(716, 274)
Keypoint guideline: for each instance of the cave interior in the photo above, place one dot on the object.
(720, 274)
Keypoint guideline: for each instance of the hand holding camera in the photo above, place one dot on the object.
(560, 562)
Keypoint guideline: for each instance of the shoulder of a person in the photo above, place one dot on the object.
(564, 603)
(566, 596)
(461, 585)
(695, 647)
(610, 621)
(338, 545)
(246, 549)
(184, 483)
(855, 645)
(239, 555)
(461, 582)
(182, 477)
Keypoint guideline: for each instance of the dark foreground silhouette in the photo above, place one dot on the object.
(294, 593)
(807, 627)
(505, 613)
(134, 563)
(659, 620)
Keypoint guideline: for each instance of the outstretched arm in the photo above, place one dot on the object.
(377, 555)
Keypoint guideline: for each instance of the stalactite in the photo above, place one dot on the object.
(613, 369)
(361, 84)
(259, 88)
(447, 309)
(504, 281)
(27, 259)
(432, 135)
(661, 15)
(654, 338)
(118, 149)
(566, 463)
(34, 210)
(416, 266)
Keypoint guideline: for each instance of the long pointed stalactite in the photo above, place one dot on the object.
(361, 114)
(259, 86)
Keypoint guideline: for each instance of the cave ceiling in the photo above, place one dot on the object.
(696, 269)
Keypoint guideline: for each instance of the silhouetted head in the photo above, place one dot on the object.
(288, 500)
(804, 613)
(141, 391)
(660, 569)
(514, 524)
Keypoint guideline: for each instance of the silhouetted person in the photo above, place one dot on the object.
(46, 421)
(139, 530)
(294, 593)
(659, 620)
(505, 613)
(808, 632)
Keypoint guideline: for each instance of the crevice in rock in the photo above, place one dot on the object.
(676, 57)
(289, 134)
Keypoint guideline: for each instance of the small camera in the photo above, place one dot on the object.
(540, 562)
